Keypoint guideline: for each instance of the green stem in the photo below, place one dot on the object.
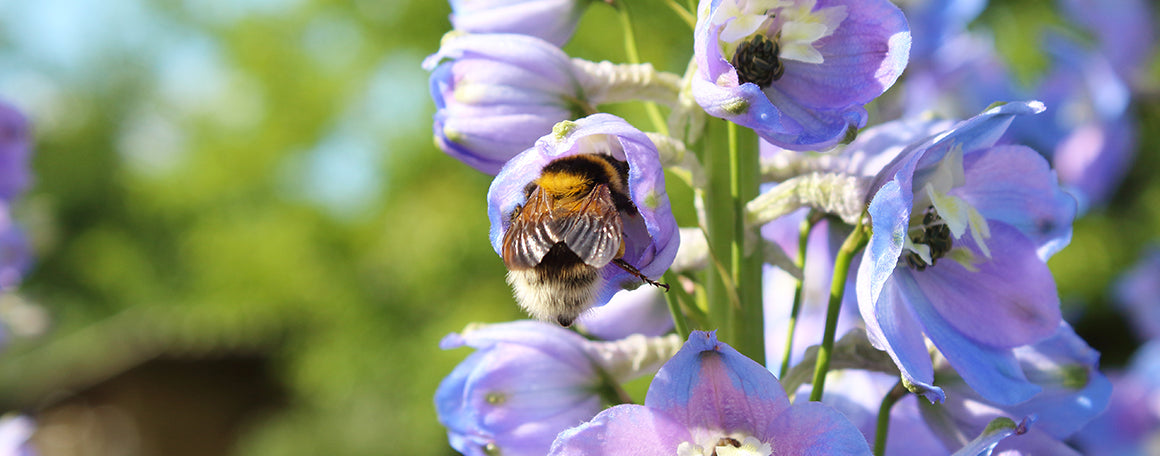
(630, 51)
(685, 15)
(807, 225)
(855, 242)
(674, 300)
(719, 284)
(745, 264)
(896, 393)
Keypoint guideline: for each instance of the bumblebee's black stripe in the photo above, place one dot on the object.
(563, 266)
(620, 193)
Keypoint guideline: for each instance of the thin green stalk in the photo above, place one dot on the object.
(633, 55)
(854, 243)
(745, 260)
(685, 15)
(806, 226)
(674, 300)
(898, 392)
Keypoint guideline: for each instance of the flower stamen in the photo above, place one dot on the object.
(757, 61)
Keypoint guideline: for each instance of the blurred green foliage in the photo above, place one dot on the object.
(288, 201)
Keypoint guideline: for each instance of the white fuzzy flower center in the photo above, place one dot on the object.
(727, 446)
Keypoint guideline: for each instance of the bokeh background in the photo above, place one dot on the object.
(247, 244)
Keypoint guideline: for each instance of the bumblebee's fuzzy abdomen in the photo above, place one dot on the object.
(559, 289)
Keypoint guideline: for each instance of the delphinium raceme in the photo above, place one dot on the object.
(15, 254)
(924, 239)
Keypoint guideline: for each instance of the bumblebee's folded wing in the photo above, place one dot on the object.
(531, 233)
(593, 232)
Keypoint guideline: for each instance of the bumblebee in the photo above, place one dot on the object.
(567, 230)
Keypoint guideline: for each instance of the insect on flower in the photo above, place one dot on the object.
(568, 229)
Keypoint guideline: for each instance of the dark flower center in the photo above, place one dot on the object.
(934, 234)
(726, 441)
(756, 61)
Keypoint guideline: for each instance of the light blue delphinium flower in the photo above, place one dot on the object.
(797, 72)
(553, 21)
(935, 23)
(961, 232)
(1137, 292)
(495, 94)
(1131, 424)
(529, 380)
(1074, 392)
(710, 399)
(649, 231)
(1124, 30)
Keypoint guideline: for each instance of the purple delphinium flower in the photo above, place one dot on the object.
(935, 23)
(1073, 393)
(495, 94)
(1088, 133)
(15, 153)
(1131, 424)
(1137, 292)
(553, 21)
(797, 72)
(650, 235)
(961, 232)
(1124, 30)
(528, 381)
(710, 399)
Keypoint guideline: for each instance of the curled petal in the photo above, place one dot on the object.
(624, 429)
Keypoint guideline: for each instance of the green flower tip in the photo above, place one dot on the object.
(562, 129)
(651, 200)
(1075, 376)
(1000, 424)
(736, 106)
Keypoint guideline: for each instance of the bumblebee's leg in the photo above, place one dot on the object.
(636, 272)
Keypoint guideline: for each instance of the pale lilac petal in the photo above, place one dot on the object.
(893, 327)
(1010, 301)
(810, 428)
(554, 21)
(623, 430)
(993, 373)
(709, 385)
(639, 311)
(1016, 186)
(862, 58)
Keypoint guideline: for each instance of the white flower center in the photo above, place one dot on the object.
(727, 446)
